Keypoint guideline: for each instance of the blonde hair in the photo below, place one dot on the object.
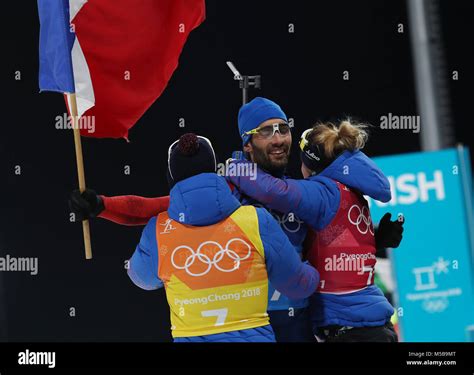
(338, 138)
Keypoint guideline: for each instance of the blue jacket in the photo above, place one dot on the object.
(295, 229)
(316, 200)
(206, 199)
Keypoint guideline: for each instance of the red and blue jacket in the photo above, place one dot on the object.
(317, 201)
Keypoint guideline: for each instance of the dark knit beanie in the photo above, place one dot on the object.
(189, 156)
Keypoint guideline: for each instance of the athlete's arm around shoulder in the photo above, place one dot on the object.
(314, 200)
(320, 199)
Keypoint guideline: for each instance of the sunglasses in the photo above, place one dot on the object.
(268, 131)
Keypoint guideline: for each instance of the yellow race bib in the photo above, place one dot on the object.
(215, 276)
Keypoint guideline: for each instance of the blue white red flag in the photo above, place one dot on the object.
(116, 55)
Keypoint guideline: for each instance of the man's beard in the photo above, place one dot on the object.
(275, 167)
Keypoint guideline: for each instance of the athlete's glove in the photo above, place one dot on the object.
(85, 205)
(389, 233)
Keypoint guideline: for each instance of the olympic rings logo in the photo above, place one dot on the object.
(205, 259)
(285, 219)
(363, 221)
(291, 226)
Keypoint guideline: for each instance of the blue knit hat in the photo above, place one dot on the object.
(252, 114)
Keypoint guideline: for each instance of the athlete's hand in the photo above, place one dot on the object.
(85, 205)
(389, 233)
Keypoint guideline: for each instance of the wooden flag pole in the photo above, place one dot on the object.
(80, 170)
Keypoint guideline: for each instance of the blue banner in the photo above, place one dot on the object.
(433, 267)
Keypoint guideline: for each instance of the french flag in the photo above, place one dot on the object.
(117, 56)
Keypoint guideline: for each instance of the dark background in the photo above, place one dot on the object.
(301, 71)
